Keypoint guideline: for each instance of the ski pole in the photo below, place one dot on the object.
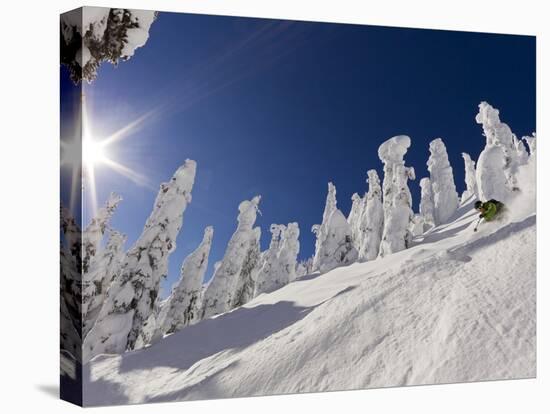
(477, 224)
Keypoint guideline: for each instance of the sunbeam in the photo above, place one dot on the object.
(86, 153)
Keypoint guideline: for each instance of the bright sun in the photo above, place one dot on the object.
(92, 152)
(86, 155)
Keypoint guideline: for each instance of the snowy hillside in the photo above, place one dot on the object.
(457, 305)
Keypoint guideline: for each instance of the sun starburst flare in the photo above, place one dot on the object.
(86, 152)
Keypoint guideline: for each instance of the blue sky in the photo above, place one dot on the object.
(280, 108)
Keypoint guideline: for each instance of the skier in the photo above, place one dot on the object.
(489, 210)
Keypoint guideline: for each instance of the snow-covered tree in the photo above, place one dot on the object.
(288, 252)
(92, 35)
(279, 262)
(354, 218)
(304, 267)
(93, 234)
(184, 303)
(416, 227)
(527, 173)
(245, 285)
(443, 186)
(391, 153)
(337, 248)
(499, 161)
(320, 231)
(97, 281)
(70, 285)
(397, 200)
(469, 177)
(334, 245)
(72, 235)
(371, 223)
(127, 317)
(531, 142)
(267, 268)
(222, 292)
(427, 207)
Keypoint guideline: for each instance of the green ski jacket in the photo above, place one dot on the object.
(490, 210)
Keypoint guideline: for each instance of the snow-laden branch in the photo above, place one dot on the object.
(92, 35)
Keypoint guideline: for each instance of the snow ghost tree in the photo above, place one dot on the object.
(245, 286)
(417, 225)
(444, 192)
(427, 207)
(279, 262)
(70, 285)
(91, 35)
(127, 318)
(391, 154)
(268, 268)
(97, 281)
(531, 142)
(305, 267)
(334, 245)
(93, 235)
(469, 177)
(337, 247)
(234, 272)
(397, 200)
(499, 161)
(320, 231)
(527, 173)
(97, 268)
(354, 218)
(372, 219)
(183, 305)
(288, 253)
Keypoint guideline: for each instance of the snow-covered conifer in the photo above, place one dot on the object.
(337, 248)
(91, 35)
(288, 252)
(183, 305)
(427, 207)
(220, 294)
(266, 272)
(416, 227)
(391, 153)
(93, 234)
(279, 261)
(397, 200)
(304, 267)
(126, 317)
(372, 219)
(97, 281)
(72, 237)
(444, 192)
(245, 284)
(499, 161)
(321, 230)
(70, 285)
(354, 218)
(531, 142)
(469, 177)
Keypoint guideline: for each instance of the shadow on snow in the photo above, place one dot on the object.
(234, 330)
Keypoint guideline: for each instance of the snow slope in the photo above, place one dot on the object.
(457, 306)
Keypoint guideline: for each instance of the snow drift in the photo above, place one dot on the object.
(432, 302)
(456, 306)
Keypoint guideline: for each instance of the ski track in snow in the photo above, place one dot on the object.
(457, 306)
